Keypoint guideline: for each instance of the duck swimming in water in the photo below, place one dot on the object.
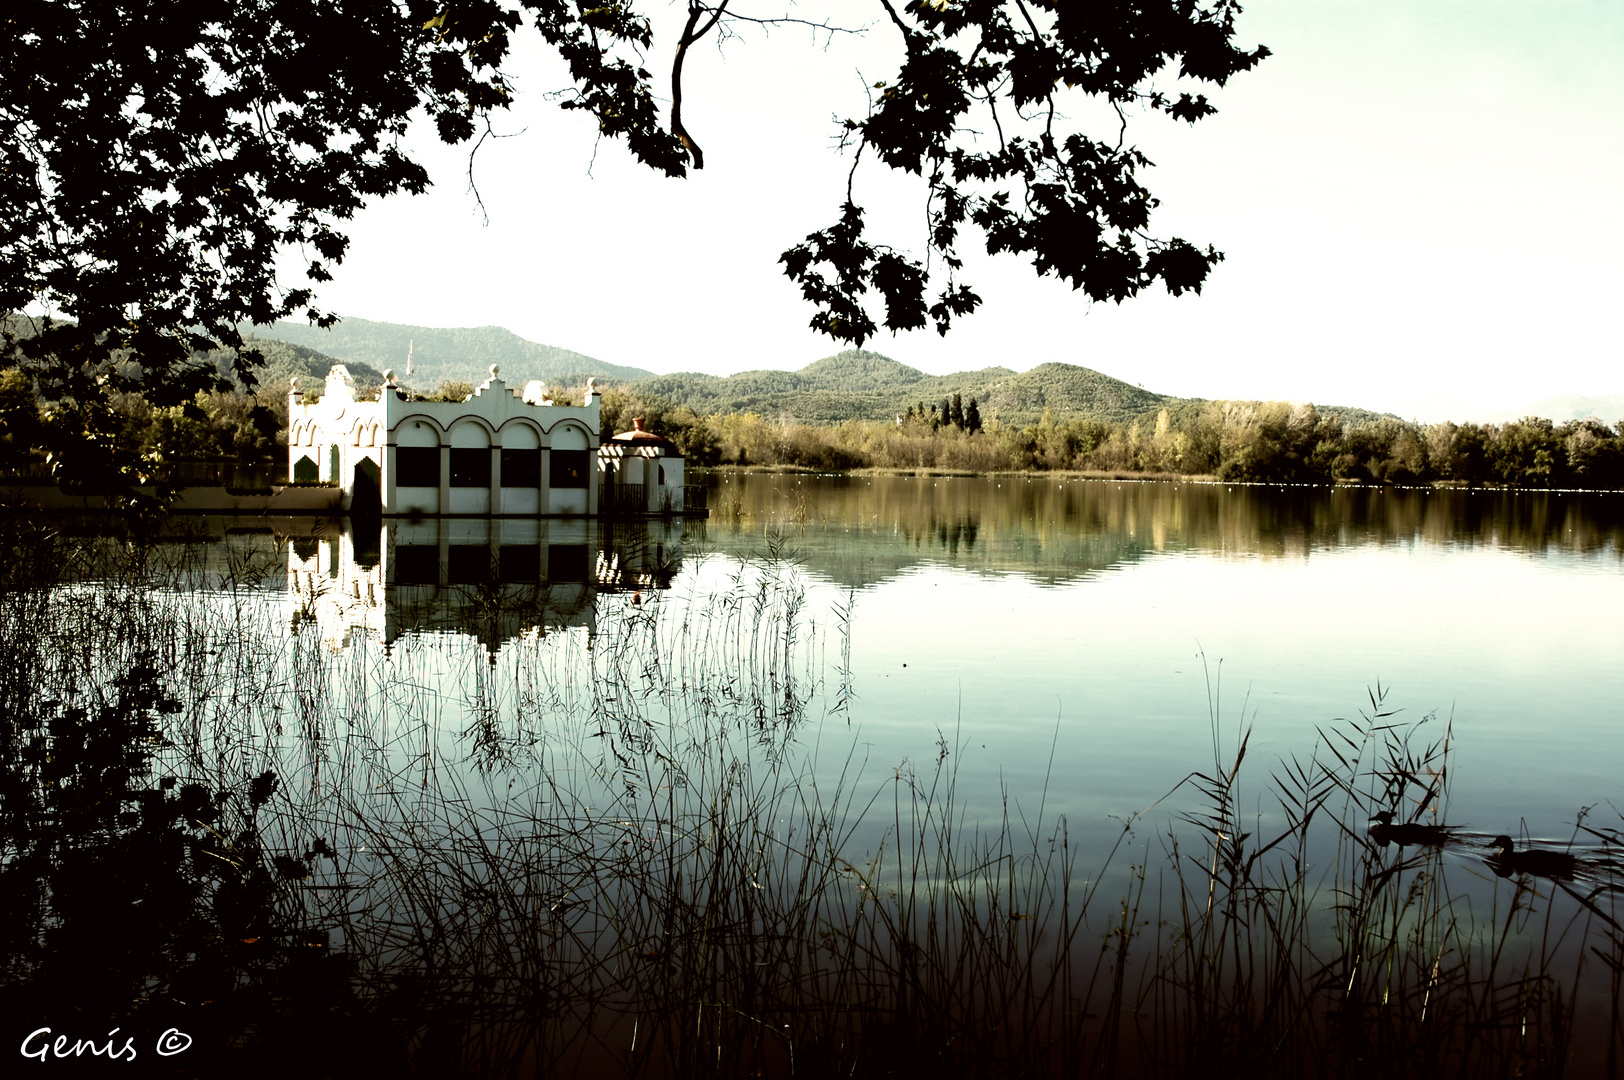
(1546, 864)
(1407, 834)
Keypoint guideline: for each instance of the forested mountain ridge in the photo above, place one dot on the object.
(862, 385)
(284, 359)
(1609, 408)
(856, 384)
(457, 353)
(280, 359)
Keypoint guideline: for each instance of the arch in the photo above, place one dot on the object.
(418, 430)
(520, 434)
(372, 434)
(365, 489)
(569, 436)
(296, 432)
(470, 432)
(356, 433)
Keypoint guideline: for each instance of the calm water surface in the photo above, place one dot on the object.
(1070, 639)
(413, 719)
(1100, 619)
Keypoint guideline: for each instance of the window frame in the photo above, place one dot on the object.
(471, 467)
(404, 467)
(530, 465)
(560, 465)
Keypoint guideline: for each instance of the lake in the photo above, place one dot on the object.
(990, 692)
(1013, 609)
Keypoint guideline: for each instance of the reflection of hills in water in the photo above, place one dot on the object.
(496, 577)
(860, 531)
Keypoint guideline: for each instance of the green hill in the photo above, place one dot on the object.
(852, 385)
(284, 360)
(1067, 389)
(868, 386)
(861, 385)
(860, 371)
(458, 353)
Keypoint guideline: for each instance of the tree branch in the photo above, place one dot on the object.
(690, 34)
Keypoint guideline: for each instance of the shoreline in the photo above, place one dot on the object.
(1128, 476)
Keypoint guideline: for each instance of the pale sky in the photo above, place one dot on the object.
(1419, 201)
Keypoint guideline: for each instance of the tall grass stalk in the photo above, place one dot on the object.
(655, 848)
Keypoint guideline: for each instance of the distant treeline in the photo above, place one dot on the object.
(229, 426)
(1231, 440)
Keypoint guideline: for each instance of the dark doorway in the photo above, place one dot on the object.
(366, 495)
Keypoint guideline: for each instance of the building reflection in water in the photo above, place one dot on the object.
(493, 578)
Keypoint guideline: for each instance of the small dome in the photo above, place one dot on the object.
(641, 437)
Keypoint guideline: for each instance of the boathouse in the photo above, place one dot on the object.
(642, 473)
(502, 451)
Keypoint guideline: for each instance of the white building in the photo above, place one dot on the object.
(500, 452)
(642, 473)
(496, 579)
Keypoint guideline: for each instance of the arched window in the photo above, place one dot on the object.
(470, 455)
(570, 462)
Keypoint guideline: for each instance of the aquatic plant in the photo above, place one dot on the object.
(652, 846)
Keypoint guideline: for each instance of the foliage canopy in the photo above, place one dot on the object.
(157, 160)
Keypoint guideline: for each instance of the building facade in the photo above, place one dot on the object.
(642, 473)
(501, 452)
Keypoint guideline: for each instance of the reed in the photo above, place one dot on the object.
(656, 849)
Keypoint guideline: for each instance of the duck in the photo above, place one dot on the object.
(1546, 864)
(1408, 834)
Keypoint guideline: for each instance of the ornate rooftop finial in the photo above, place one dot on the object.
(340, 387)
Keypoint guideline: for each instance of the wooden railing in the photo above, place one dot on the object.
(621, 500)
(615, 500)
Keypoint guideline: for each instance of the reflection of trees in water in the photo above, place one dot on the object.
(610, 853)
(1057, 528)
